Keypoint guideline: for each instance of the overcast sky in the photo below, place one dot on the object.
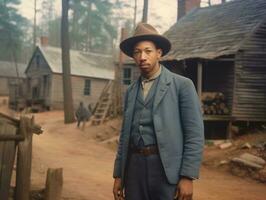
(164, 9)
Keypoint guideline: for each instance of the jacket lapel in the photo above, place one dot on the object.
(132, 96)
(162, 87)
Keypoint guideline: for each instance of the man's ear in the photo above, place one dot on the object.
(160, 53)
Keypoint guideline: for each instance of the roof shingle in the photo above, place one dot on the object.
(82, 64)
(216, 30)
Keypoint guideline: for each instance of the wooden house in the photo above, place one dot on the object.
(90, 72)
(223, 49)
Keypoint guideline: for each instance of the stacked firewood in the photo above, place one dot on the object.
(214, 103)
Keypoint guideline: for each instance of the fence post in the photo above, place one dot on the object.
(7, 157)
(24, 156)
(54, 184)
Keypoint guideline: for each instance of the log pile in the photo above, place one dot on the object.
(214, 103)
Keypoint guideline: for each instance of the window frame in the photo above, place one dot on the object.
(127, 77)
(87, 87)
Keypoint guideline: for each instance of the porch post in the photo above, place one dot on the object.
(199, 79)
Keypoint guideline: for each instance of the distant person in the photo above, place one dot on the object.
(90, 112)
(161, 141)
(82, 114)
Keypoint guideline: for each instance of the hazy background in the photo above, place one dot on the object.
(164, 9)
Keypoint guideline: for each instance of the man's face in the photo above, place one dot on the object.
(147, 57)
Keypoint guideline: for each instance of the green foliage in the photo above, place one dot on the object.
(47, 15)
(54, 29)
(93, 24)
(90, 27)
(12, 29)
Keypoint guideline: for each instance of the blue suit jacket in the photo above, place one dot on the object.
(178, 127)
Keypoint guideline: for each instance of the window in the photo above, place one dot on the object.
(127, 76)
(87, 87)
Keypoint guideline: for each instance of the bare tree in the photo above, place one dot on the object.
(145, 11)
(67, 86)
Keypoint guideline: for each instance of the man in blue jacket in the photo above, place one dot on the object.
(162, 138)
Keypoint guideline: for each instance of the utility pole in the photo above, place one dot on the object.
(145, 11)
(67, 86)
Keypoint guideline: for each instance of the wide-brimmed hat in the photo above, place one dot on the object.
(144, 32)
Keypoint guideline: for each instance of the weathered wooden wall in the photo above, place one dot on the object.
(50, 85)
(14, 132)
(7, 156)
(40, 77)
(17, 91)
(4, 86)
(134, 75)
(78, 84)
(250, 73)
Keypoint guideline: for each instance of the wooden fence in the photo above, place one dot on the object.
(16, 142)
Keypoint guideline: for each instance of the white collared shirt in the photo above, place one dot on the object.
(146, 83)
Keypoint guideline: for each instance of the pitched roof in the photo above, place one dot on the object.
(8, 69)
(82, 64)
(216, 30)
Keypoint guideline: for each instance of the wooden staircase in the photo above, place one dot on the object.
(102, 108)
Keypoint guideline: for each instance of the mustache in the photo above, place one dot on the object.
(143, 64)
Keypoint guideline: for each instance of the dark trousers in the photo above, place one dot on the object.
(146, 179)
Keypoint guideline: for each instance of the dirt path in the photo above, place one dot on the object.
(88, 166)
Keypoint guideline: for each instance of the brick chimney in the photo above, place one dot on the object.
(184, 6)
(44, 41)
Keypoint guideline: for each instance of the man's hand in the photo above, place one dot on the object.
(184, 189)
(117, 190)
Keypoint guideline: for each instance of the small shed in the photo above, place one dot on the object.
(223, 49)
(90, 72)
(10, 73)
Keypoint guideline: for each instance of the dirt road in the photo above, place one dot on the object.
(88, 166)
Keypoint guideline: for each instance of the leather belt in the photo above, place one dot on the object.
(146, 151)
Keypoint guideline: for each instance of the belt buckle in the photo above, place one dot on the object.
(145, 151)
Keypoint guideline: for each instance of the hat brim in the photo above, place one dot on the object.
(161, 42)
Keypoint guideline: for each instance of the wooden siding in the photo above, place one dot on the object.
(214, 31)
(78, 84)
(39, 76)
(5, 83)
(35, 70)
(250, 75)
(4, 91)
(134, 76)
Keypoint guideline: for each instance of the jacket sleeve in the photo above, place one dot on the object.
(118, 165)
(193, 129)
